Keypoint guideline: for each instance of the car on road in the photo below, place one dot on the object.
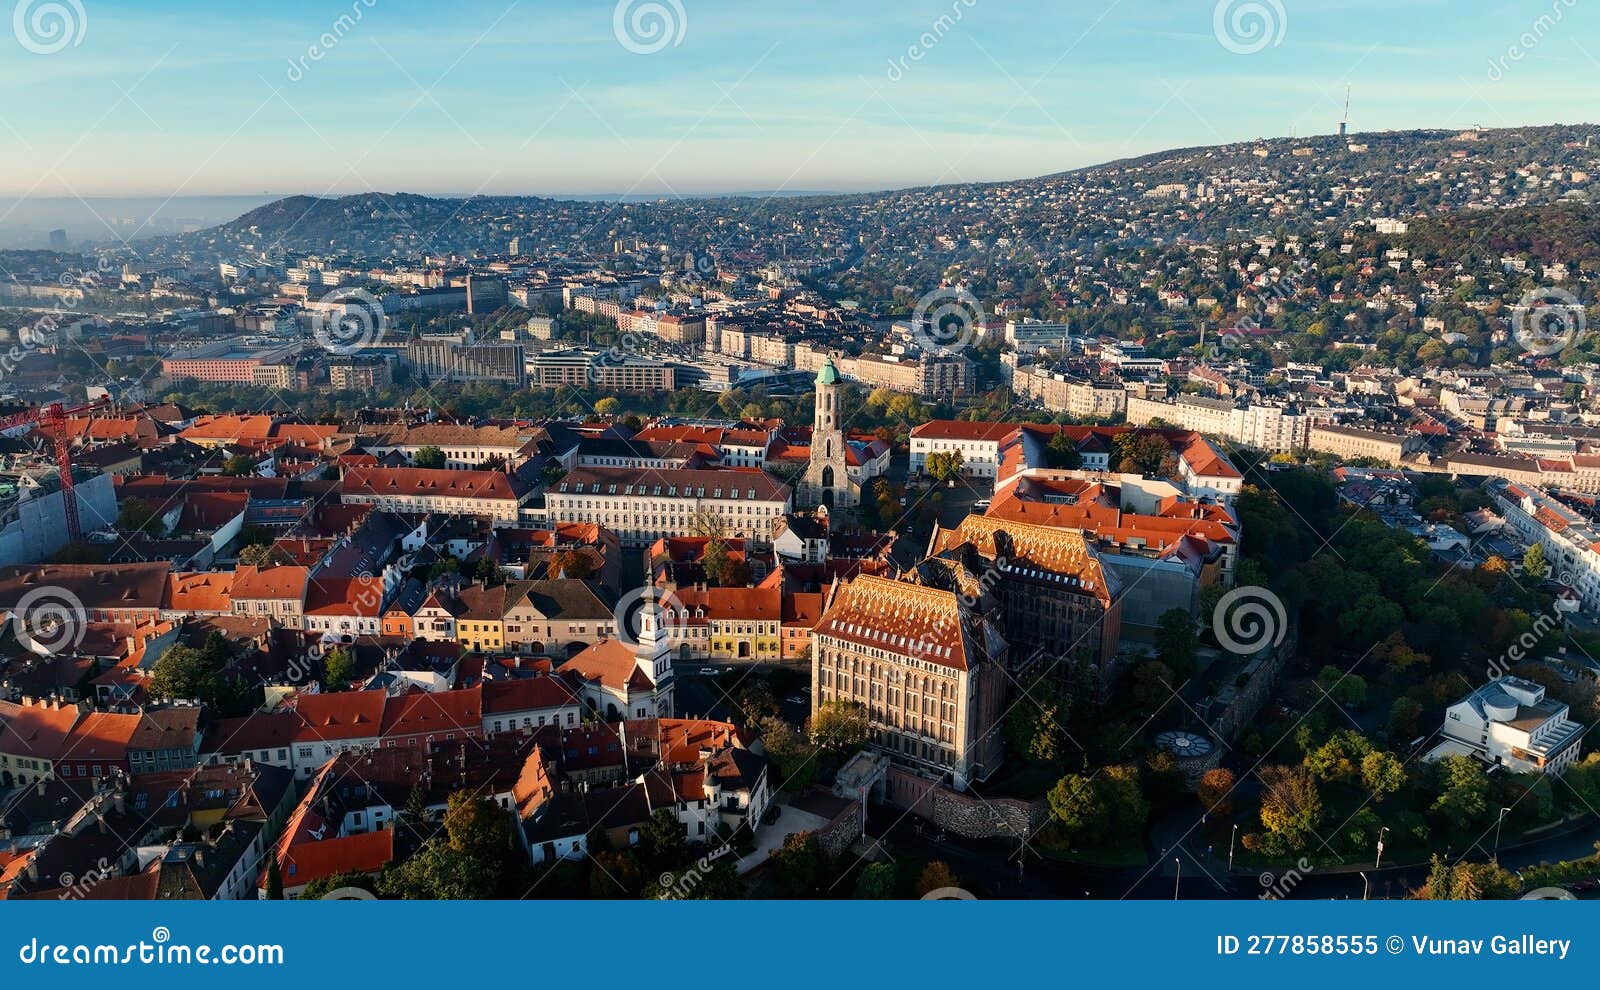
(795, 699)
(708, 671)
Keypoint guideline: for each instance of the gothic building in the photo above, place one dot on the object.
(927, 666)
(827, 478)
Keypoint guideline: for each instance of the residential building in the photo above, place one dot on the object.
(1510, 723)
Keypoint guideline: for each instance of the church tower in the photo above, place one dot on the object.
(827, 478)
(653, 656)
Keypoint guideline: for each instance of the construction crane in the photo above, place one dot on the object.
(55, 414)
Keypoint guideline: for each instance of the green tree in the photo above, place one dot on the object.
(876, 882)
(274, 879)
(1175, 638)
(429, 457)
(799, 864)
(608, 406)
(468, 862)
(662, 841)
(263, 555)
(1463, 790)
(1345, 688)
(1076, 805)
(1340, 757)
(1468, 882)
(945, 465)
(794, 760)
(339, 667)
(185, 673)
(323, 886)
(137, 515)
(1062, 453)
(839, 725)
(1533, 563)
(239, 466)
(1383, 773)
(1033, 726)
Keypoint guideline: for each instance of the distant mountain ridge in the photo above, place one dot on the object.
(1398, 173)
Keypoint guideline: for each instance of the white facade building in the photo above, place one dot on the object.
(1509, 722)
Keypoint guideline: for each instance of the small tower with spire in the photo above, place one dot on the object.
(653, 655)
(827, 477)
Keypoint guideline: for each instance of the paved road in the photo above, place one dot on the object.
(989, 869)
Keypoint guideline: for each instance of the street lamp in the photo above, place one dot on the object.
(1366, 885)
(1178, 879)
(1497, 823)
(1379, 861)
(1232, 836)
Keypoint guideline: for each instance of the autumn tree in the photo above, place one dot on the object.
(1466, 881)
(935, 876)
(1382, 773)
(1216, 791)
(1290, 805)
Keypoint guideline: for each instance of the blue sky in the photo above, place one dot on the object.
(160, 97)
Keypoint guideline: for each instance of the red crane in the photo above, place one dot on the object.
(56, 414)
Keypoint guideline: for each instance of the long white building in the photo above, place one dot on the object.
(642, 505)
(1270, 428)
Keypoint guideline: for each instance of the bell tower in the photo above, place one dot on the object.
(827, 478)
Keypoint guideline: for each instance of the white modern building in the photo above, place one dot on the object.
(1509, 722)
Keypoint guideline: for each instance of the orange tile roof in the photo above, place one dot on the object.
(423, 713)
(304, 862)
(908, 619)
(343, 715)
(202, 591)
(287, 581)
(612, 663)
(439, 482)
(960, 429)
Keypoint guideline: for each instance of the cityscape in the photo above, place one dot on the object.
(1149, 492)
